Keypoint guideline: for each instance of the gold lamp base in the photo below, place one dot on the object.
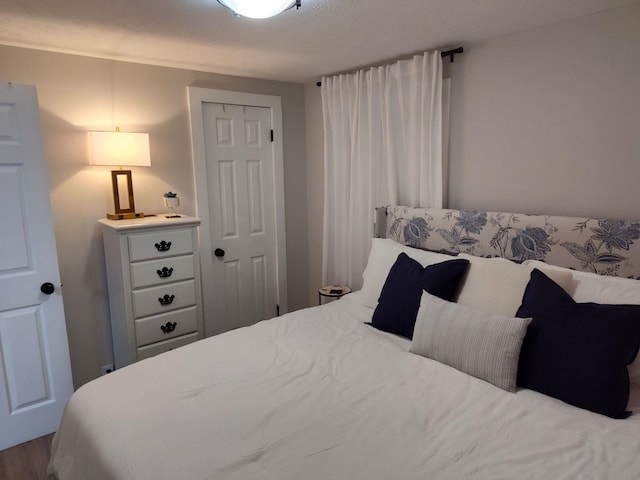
(123, 196)
(124, 216)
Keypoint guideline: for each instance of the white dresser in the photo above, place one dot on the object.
(153, 271)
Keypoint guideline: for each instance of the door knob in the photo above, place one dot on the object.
(218, 252)
(47, 288)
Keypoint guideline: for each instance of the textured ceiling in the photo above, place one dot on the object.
(323, 37)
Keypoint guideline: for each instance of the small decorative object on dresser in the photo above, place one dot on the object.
(171, 201)
(332, 291)
(153, 273)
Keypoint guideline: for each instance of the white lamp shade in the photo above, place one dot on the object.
(119, 148)
(258, 8)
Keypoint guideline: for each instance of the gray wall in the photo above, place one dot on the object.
(78, 94)
(315, 185)
(542, 121)
(548, 120)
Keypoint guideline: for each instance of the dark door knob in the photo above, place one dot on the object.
(47, 288)
(218, 252)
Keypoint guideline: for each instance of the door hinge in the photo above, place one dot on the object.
(277, 310)
(272, 135)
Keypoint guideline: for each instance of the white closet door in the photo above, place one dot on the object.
(239, 176)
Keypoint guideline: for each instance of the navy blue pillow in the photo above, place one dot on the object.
(577, 352)
(400, 297)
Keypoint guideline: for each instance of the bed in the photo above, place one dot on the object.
(323, 394)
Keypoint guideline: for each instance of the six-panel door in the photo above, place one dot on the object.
(242, 208)
(35, 373)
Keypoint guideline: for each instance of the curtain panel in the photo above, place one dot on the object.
(382, 146)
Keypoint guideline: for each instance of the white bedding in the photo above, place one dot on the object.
(319, 395)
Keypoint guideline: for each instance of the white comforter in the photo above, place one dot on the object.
(319, 395)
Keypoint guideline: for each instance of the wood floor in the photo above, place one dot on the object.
(27, 461)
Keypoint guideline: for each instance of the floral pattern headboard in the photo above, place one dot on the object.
(607, 247)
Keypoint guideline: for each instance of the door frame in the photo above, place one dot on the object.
(196, 98)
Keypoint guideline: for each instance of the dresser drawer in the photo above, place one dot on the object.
(158, 272)
(179, 295)
(159, 244)
(165, 326)
(158, 348)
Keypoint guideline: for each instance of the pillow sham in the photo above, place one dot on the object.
(400, 297)
(383, 254)
(577, 352)
(498, 286)
(591, 287)
(481, 344)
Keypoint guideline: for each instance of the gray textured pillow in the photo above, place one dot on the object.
(479, 343)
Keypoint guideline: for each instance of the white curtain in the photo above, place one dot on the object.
(382, 146)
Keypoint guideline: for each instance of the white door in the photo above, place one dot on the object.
(35, 373)
(239, 208)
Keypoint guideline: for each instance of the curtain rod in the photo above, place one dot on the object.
(448, 53)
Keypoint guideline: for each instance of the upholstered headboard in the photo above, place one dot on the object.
(607, 247)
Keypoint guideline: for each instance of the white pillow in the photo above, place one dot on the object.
(498, 286)
(591, 287)
(384, 253)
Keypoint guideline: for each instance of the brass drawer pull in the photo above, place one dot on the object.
(163, 246)
(164, 272)
(168, 327)
(166, 300)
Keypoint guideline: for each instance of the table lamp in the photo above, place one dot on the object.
(120, 149)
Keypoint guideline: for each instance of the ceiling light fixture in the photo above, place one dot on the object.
(259, 8)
